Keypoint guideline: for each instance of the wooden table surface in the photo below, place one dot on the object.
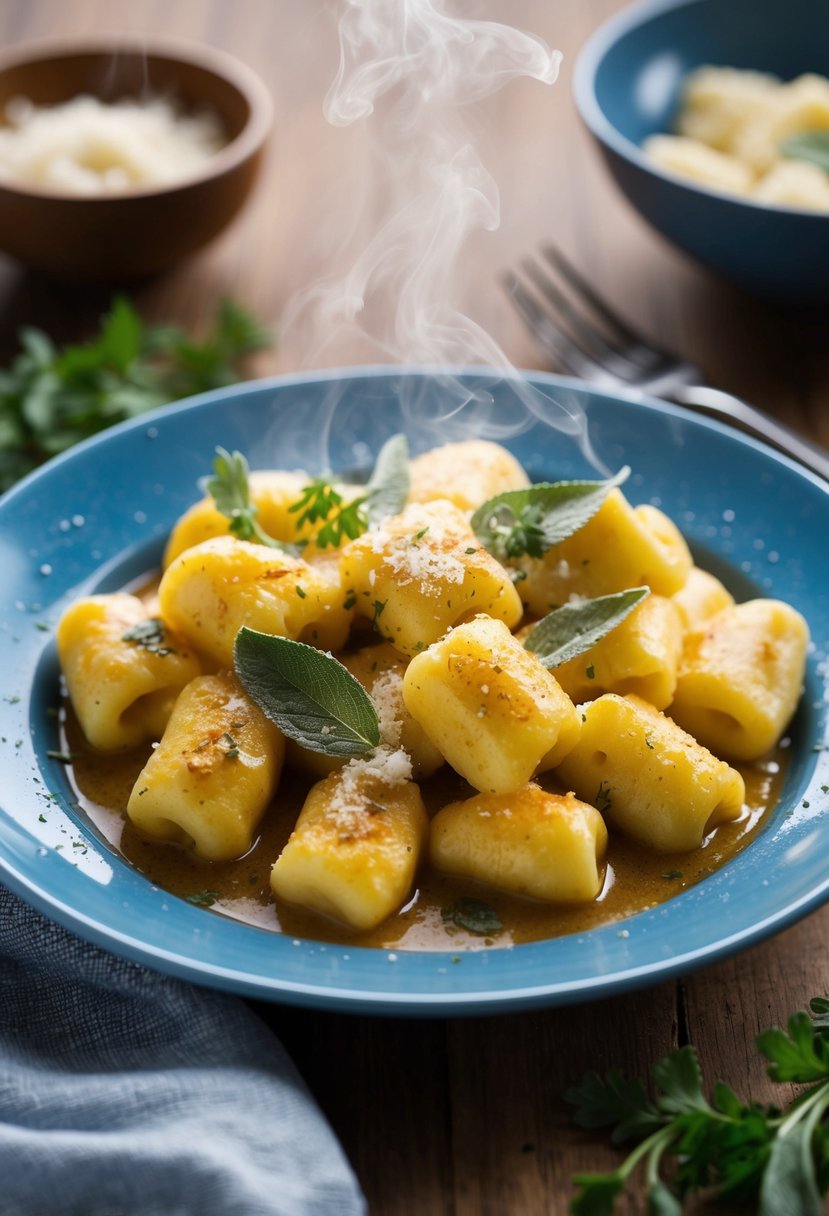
(465, 1117)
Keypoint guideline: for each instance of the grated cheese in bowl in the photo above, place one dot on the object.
(86, 146)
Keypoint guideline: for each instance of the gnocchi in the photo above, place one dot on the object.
(480, 769)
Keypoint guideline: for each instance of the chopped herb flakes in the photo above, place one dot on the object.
(149, 634)
(473, 915)
(203, 899)
(603, 798)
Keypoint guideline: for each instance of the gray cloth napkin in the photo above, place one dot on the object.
(125, 1093)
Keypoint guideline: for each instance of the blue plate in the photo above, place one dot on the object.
(95, 518)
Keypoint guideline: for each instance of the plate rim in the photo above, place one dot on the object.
(389, 1000)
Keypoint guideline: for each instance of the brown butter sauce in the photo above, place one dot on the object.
(635, 879)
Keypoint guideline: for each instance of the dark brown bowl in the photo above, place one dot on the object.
(135, 233)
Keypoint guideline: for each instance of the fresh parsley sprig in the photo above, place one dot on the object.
(776, 1160)
(319, 502)
(50, 397)
(528, 522)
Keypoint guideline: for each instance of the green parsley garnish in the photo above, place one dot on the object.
(771, 1160)
(230, 745)
(321, 503)
(51, 398)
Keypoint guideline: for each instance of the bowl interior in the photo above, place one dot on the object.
(646, 52)
(132, 72)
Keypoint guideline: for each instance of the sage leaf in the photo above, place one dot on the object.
(811, 146)
(388, 486)
(310, 696)
(530, 521)
(572, 629)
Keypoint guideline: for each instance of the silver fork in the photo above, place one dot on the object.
(589, 339)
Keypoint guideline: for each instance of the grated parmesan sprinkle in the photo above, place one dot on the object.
(387, 695)
(384, 765)
(87, 146)
(415, 554)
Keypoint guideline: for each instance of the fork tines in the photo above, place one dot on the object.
(576, 326)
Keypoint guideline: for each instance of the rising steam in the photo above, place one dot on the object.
(411, 71)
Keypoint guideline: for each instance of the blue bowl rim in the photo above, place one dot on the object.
(470, 999)
(586, 68)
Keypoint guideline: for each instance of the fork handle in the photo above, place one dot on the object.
(738, 412)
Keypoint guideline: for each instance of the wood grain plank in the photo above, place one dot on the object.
(515, 1146)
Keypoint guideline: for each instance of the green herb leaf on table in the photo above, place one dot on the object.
(776, 1161)
(811, 146)
(50, 399)
(310, 696)
(528, 522)
(573, 629)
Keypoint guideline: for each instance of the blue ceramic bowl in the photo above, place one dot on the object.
(95, 519)
(627, 81)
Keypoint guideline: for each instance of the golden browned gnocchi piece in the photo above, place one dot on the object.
(701, 598)
(211, 590)
(356, 845)
(620, 547)
(123, 669)
(640, 655)
(528, 842)
(648, 777)
(422, 572)
(492, 708)
(213, 774)
(740, 677)
(466, 474)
